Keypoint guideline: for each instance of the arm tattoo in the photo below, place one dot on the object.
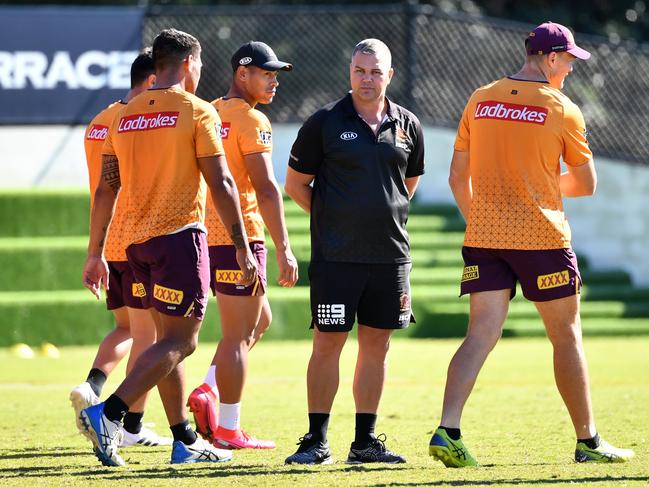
(237, 236)
(110, 172)
(103, 238)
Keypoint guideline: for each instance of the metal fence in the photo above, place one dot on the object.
(439, 59)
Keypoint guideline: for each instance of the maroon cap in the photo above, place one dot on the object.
(550, 37)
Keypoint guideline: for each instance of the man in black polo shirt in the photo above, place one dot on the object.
(364, 155)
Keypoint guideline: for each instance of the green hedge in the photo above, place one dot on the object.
(44, 212)
(43, 239)
(76, 318)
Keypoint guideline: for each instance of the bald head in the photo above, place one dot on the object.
(375, 47)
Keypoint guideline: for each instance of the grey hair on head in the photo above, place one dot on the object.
(373, 46)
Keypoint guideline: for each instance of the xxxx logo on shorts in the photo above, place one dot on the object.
(470, 273)
(228, 276)
(138, 290)
(166, 295)
(549, 281)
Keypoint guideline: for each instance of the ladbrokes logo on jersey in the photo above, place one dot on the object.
(147, 121)
(225, 130)
(498, 110)
(97, 132)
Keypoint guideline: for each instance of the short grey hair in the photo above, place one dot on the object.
(373, 46)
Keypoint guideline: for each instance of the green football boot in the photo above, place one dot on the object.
(451, 453)
(604, 453)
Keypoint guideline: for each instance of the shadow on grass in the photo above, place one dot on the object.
(205, 470)
(572, 480)
(225, 471)
(40, 452)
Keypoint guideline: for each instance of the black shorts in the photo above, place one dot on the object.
(378, 294)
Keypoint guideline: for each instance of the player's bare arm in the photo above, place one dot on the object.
(95, 271)
(459, 180)
(298, 187)
(271, 206)
(579, 180)
(226, 200)
(411, 185)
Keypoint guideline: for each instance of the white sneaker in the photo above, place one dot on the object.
(82, 397)
(199, 451)
(145, 437)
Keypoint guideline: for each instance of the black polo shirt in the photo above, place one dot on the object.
(360, 202)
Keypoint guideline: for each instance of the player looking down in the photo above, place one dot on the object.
(505, 176)
(244, 310)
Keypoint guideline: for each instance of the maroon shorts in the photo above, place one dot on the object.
(544, 274)
(174, 270)
(123, 290)
(225, 271)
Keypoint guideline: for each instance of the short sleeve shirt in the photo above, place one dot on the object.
(244, 131)
(516, 132)
(158, 138)
(95, 135)
(360, 201)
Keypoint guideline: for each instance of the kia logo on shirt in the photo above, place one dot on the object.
(348, 135)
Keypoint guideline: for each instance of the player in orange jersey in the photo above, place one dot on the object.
(134, 327)
(161, 153)
(245, 312)
(507, 181)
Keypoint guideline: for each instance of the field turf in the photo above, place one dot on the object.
(515, 423)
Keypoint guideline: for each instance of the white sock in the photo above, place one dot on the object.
(210, 378)
(230, 415)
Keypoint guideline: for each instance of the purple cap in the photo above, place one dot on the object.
(550, 37)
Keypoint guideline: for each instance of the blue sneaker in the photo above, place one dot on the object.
(105, 435)
(199, 451)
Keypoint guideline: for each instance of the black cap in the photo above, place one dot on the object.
(258, 54)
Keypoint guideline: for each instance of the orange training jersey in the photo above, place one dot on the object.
(158, 138)
(96, 132)
(93, 142)
(244, 131)
(516, 132)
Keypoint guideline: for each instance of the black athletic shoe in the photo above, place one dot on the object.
(373, 452)
(311, 452)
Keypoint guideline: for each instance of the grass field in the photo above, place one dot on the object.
(515, 423)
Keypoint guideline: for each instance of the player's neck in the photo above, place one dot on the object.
(374, 110)
(531, 72)
(170, 78)
(237, 92)
(133, 92)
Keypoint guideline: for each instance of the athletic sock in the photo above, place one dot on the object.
(592, 443)
(133, 422)
(114, 408)
(183, 432)
(210, 378)
(230, 416)
(318, 424)
(365, 423)
(96, 379)
(453, 433)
